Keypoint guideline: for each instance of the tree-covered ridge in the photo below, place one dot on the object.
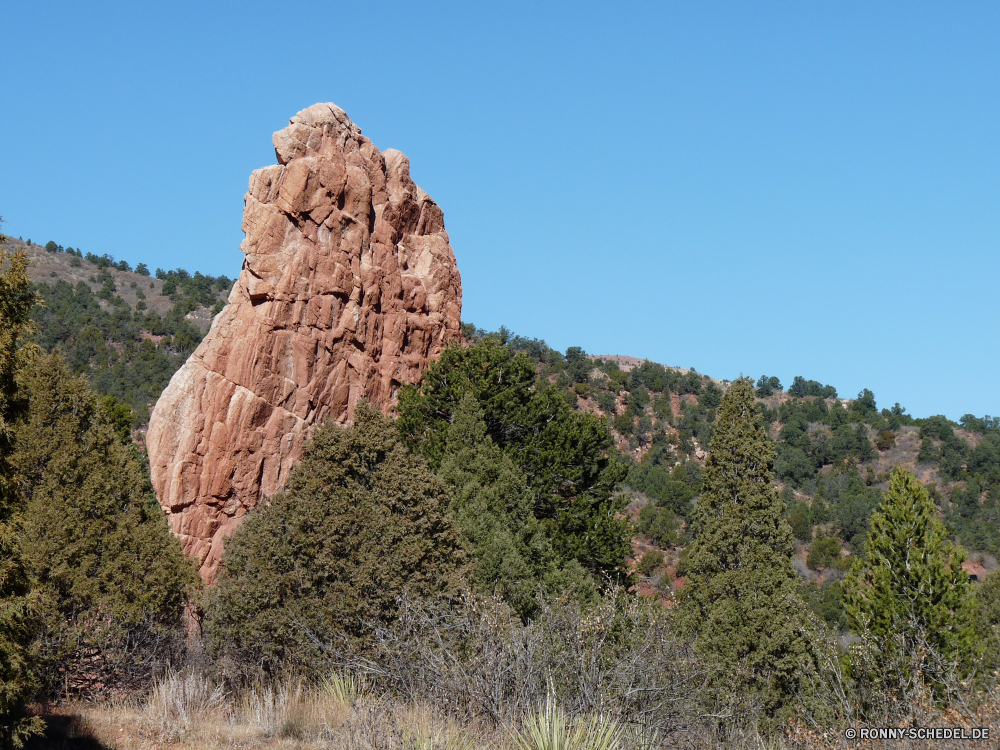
(832, 464)
(439, 552)
(126, 330)
(129, 330)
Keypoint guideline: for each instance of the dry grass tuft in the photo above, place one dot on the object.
(188, 711)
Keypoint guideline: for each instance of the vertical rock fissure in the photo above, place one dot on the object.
(291, 347)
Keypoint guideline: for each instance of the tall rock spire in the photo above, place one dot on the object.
(349, 287)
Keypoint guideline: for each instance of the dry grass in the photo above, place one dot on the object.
(475, 679)
(293, 717)
(186, 712)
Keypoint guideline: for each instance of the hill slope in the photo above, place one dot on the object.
(129, 332)
(833, 461)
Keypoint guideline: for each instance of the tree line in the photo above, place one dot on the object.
(830, 457)
(126, 354)
(501, 488)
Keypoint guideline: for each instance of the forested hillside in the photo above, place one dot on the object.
(129, 329)
(833, 460)
(502, 522)
(126, 328)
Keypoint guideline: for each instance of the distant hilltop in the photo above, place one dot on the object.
(627, 364)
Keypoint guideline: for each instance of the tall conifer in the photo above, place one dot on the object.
(740, 603)
(16, 612)
(492, 505)
(108, 575)
(912, 583)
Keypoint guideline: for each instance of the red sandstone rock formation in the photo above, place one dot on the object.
(348, 288)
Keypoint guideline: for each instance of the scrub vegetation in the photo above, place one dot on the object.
(541, 550)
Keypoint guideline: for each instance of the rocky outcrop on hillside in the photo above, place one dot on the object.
(349, 287)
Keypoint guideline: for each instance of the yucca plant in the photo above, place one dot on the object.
(342, 687)
(551, 729)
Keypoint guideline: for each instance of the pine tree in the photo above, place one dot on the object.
(363, 521)
(986, 620)
(911, 582)
(16, 602)
(492, 506)
(740, 603)
(566, 456)
(110, 577)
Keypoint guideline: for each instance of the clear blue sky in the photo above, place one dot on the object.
(797, 188)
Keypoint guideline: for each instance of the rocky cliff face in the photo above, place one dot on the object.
(349, 287)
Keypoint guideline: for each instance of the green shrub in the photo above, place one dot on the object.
(802, 387)
(650, 561)
(886, 440)
(825, 553)
(852, 503)
(670, 487)
(911, 585)
(659, 524)
(827, 601)
(110, 576)
(17, 602)
(986, 620)
(606, 400)
(766, 386)
(362, 521)
(623, 423)
(800, 519)
(662, 408)
(493, 507)
(565, 455)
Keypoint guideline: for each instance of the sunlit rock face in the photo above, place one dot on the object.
(349, 287)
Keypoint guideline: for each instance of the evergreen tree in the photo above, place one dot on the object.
(492, 505)
(363, 521)
(986, 620)
(911, 582)
(740, 602)
(112, 580)
(565, 455)
(16, 602)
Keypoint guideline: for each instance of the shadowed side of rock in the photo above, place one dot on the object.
(349, 287)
